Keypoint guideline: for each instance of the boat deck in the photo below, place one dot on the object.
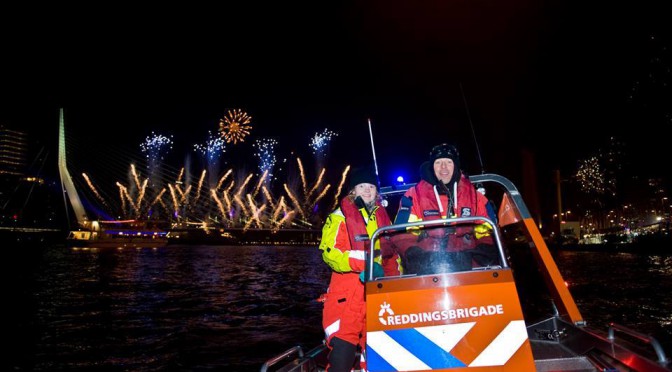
(552, 356)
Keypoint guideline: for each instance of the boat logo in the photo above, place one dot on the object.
(362, 237)
(384, 308)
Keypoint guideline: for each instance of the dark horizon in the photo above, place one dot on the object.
(554, 80)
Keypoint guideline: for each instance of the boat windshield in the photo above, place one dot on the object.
(441, 246)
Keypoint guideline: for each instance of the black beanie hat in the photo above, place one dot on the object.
(363, 175)
(444, 150)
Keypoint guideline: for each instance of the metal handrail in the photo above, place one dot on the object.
(662, 359)
(286, 354)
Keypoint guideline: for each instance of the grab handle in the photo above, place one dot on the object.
(662, 359)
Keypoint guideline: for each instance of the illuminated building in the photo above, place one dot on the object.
(13, 149)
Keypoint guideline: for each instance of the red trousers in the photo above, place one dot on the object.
(344, 317)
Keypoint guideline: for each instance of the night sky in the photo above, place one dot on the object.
(553, 78)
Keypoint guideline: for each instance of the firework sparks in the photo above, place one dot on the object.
(294, 200)
(179, 176)
(228, 204)
(244, 184)
(317, 184)
(135, 176)
(254, 217)
(266, 154)
(268, 196)
(88, 181)
(221, 180)
(235, 126)
(200, 184)
(173, 196)
(155, 147)
(141, 194)
(286, 218)
(213, 192)
(121, 197)
(212, 148)
(125, 196)
(230, 187)
(320, 141)
(340, 186)
(246, 200)
(322, 194)
(239, 201)
(591, 176)
(303, 177)
(185, 194)
(278, 208)
(158, 198)
(261, 182)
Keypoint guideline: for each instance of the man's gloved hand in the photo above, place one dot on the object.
(377, 272)
(482, 230)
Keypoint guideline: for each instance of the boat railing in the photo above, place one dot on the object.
(299, 361)
(296, 351)
(660, 353)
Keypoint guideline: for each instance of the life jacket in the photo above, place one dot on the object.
(358, 232)
(466, 205)
(357, 226)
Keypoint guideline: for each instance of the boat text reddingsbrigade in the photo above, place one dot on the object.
(448, 314)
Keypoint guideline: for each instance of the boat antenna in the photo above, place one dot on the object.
(375, 163)
(473, 132)
(373, 149)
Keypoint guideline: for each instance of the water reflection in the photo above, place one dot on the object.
(192, 308)
(175, 307)
(626, 288)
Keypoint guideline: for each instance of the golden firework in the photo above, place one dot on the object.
(235, 126)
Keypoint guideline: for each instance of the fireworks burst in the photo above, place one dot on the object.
(156, 146)
(265, 152)
(320, 141)
(591, 176)
(235, 126)
(212, 148)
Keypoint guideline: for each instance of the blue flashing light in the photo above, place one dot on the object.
(400, 179)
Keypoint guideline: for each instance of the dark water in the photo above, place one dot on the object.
(231, 308)
(630, 289)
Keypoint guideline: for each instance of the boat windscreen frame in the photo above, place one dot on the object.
(444, 222)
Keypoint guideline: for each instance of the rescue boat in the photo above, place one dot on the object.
(454, 311)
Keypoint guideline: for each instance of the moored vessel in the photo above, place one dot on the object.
(118, 234)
